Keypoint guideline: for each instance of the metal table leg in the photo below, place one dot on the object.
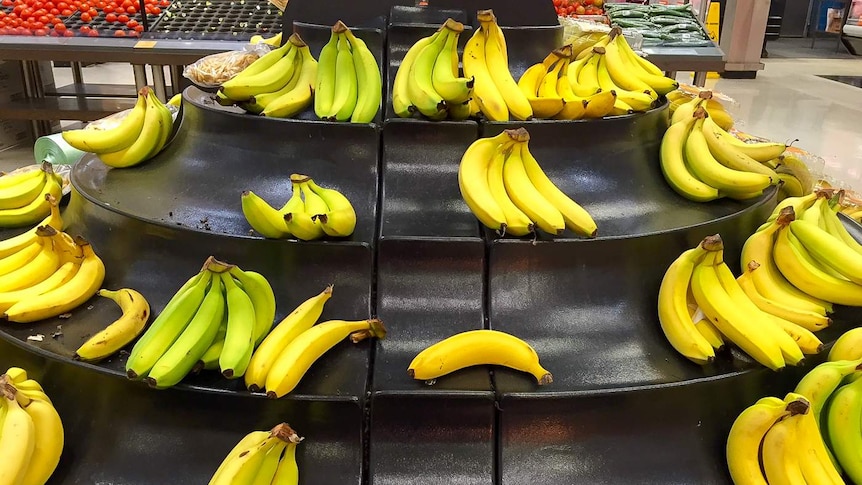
(176, 79)
(77, 73)
(30, 92)
(159, 82)
(140, 76)
(700, 79)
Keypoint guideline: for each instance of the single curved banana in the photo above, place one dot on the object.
(37, 209)
(780, 463)
(572, 74)
(288, 471)
(600, 104)
(269, 466)
(622, 74)
(814, 457)
(191, 344)
(340, 218)
(38, 269)
(247, 84)
(420, 85)
(258, 103)
(635, 59)
(239, 338)
(49, 440)
(836, 228)
(485, 92)
(848, 346)
(459, 111)
(549, 103)
(300, 96)
(401, 103)
(828, 250)
(843, 422)
(167, 126)
(249, 441)
(168, 325)
(762, 152)
(19, 260)
(324, 89)
(528, 197)
(262, 217)
(588, 76)
(675, 169)
(577, 219)
(299, 355)
(299, 221)
(730, 156)
(17, 438)
(658, 83)
(147, 143)
(804, 318)
(262, 296)
(813, 214)
(517, 223)
(822, 381)
(453, 89)
(531, 79)
(136, 313)
(686, 110)
(473, 182)
(575, 107)
(478, 347)
(346, 87)
(368, 81)
(708, 331)
(297, 322)
(66, 297)
(497, 62)
(25, 192)
(118, 138)
(9, 181)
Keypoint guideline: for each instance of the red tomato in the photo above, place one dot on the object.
(62, 5)
(131, 10)
(60, 27)
(111, 17)
(40, 32)
(37, 25)
(24, 31)
(43, 19)
(131, 23)
(123, 18)
(68, 33)
(93, 33)
(7, 3)
(119, 10)
(580, 10)
(85, 17)
(84, 29)
(119, 33)
(157, 10)
(139, 28)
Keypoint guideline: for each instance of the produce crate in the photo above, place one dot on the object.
(216, 20)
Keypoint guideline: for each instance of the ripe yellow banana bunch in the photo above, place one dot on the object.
(24, 196)
(504, 186)
(136, 313)
(31, 432)
(141, 135)
(311, 213)
(428, 80)
(349, 84)
(701, 303)
(713, 107)
(261, 457)
(280, 84)
(778, 441)
(478, 347)
(296, 343)
(45, 273)
(221, 315)
(702, 162)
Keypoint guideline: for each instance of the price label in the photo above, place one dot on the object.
(145, 44)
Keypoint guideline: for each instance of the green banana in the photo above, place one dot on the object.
(843, 422)
(344, 102)
(828, 250)
(420, 87)
(401, 103)
(454, 90)
(324, 89)
(368, 80)
(239, 339)
(209, 361)
(340, 218)
(244, 87)
(262, 297)
(300, 97)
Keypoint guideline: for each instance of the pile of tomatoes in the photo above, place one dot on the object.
(568, 8)
(50, 17)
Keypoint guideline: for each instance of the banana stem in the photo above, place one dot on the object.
(285, 433)
(340, 27)
(712, 243)
(798, 406)
(299, 178)
(786, 216)
(216, 266)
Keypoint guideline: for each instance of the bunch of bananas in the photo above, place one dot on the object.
(700, 303)
(45, 272)
(215, 319)
(31, 432)
(136, 313)
(478, 347)
(261, 458)
(428, 81)
(713, 107)
(141, 135)
(702, 162)
(548, 88)
(504, 186)
(25, 196)
(349, 86)
(322, 212)
(296, 343)
(280, 84)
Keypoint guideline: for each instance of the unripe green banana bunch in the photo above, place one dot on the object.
(265, 457)
(141, 135)
(349, 83)
(311, 213)
(507, 190)
(25, 196)
(220, 295)
(31, 432)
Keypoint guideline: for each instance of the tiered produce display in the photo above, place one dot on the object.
(561, 221)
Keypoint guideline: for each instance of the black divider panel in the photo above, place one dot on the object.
(664, 435)
(197, 181)
(428, 291)
(589, 307)
(526, 45)
(430, 441)
(402, 14)
(421, 197)
(157, 259)
(120, 433)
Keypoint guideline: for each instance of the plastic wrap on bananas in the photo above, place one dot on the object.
(582, 34)
(211, 71)
(64, 171)
(112, 121)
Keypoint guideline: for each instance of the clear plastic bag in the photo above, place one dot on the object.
(213, 70)
(112, 121)
(578, 31)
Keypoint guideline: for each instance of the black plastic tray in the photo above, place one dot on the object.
(217, 20)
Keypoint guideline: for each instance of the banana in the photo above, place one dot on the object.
(168, 326)
(300, 97)
(297, 322)
(23, 193)
(401, 103)
(118, 138)
(779, 460)
(527, 196)
(531, 80)
(136, 313)
(167, 126)
(14, 244)
(368, 80)
(572, 74)
(248, 84)
(258, 103)
(191, 344)
(822, 381)
(730, 156)
(246, 459)
(731, 320)
(9, 181)
(209, 361)
(473, 182)
(239, 339)
(814, 457)
(262, 217)
(38, 269)
(314, 205)
(299, 355)
(828, 250)
(790, 185)
(17, 375)
(673, 315)
(38, 208)
(346, 87)
(517, 223)
(19, 260)
(288, 471)
(497, 63)
(459, 111)
(836, 228)
(478, 347)
(686, 111)
(619, 71)
(848, 346)
(675, 169)
(420, 86)
(762, 152)
(299, 221)
(577, 219)
(48, 437)
(574, 107)
(806, 319)
(549, 102)
(260, 291)
(268, 467)
(147, 143)
(588, 76)
(453, 89)
(485, 92)
(17, 438)
(324, 89)
(618, 63)
(843, 422)
(67, 296)
(706, 329)
(249, 441)
(747, 433)
(635, 59)
(339, 220)
(600, 104)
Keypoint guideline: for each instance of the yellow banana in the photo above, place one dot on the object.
(340, 218)
(779, 461)
(497, 64)
(255, 438)
(49, 440)
(828, 250)
(300, 96)
(575, 107)
(806, 319)
(848, 346)
(298, 220)
(572, 74)
(729, 156)
(813, 457)
(136, 313)
(24, 192)
(686, 110)
(473, 182)
(118, 138)
(148, 142)
(600, 104)
(262, 217)
(17, 438)
(526, 196)
(549, 102)
(19, 260)
(453, 89)
(619, 70)
(762, 152)
(346, 87)
(16, 243)
(369, 83)
(674, 167)
(39, 268)
(420, 85)
(287, 472)
(658, 83)
(36, 210)
(401, 103)
(251, 81)
(485, 92)
(517, 223)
